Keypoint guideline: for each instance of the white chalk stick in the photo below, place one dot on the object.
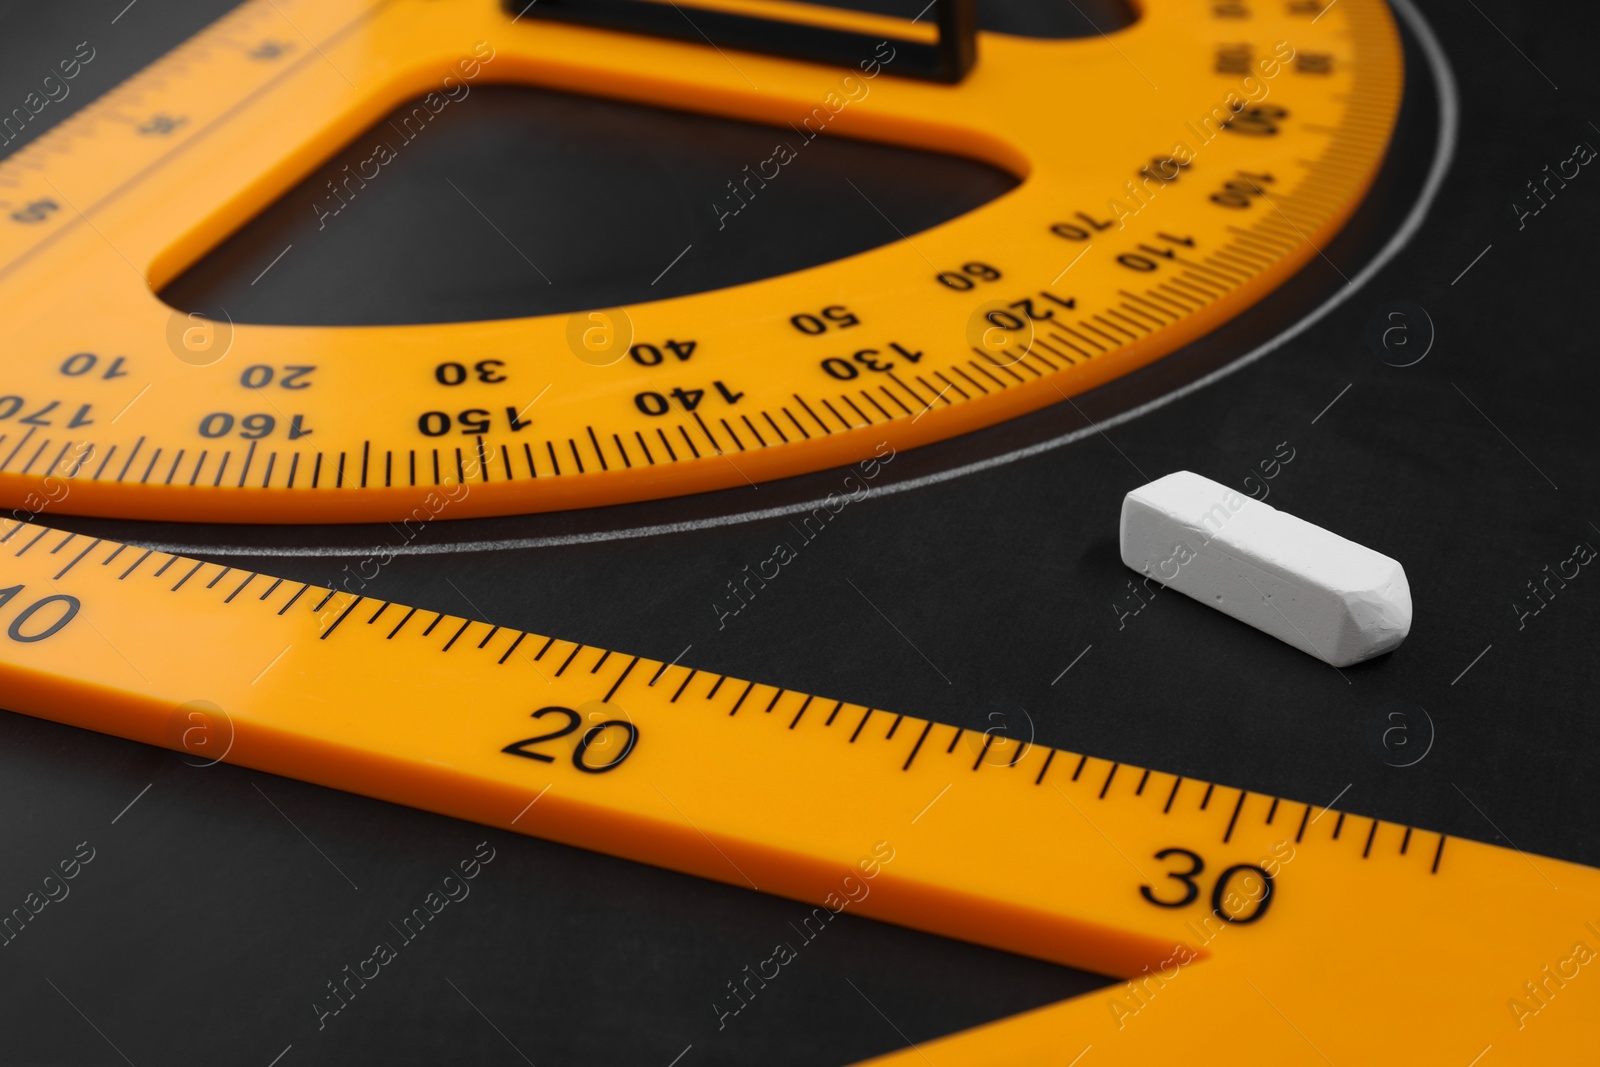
(1309, 587)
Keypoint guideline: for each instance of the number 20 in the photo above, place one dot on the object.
(630, 733)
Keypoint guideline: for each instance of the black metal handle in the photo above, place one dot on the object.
(947, 60)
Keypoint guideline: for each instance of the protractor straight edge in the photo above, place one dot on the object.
(1140, 874)
(1171, 175)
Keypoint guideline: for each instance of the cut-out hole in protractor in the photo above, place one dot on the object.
(1021, 18)
(516, 201)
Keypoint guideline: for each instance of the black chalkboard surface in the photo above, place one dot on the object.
(212, 907)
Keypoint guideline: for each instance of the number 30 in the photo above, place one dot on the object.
(1220, 905)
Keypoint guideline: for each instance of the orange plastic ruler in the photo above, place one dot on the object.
(1241, 922)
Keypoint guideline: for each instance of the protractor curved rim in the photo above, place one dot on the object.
(1172, 175)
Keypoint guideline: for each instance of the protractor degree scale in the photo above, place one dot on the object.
(1131, 233)
(1235, 918)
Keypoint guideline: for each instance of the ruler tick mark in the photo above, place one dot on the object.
(1079, 768)
(897, 401)
(1437, 853)
(437, 619)
(834, 714)
(893, 727)
(1172, 795)
(666, 444)
(742, 695)
(859, 725)
(1047, 758)
(813, 414)
(595, 441)
(796, 720)
(447, 645)
(400, 624)
(675, 660)
(1365, 852)
(568, 661)
(853, 407)
(1206, 800)
(906, 766)
(1107, 784)
(147, 554)
(968, 379)
(869, 398)
(988, 739)
(1139, 790)
(348, 610)
(715, 444)
(507, 654)
(1232, 821)
(292, 599)
(688, 440)
(1405, 842)
(682, 687)
(1298, 834)
(618, 683)
(60, 574)
(186, 577)
(35, 541)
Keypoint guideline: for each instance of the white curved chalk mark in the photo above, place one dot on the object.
(1444, 154)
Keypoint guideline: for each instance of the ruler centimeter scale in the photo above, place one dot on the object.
(1172, 174)
(1240, 920)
